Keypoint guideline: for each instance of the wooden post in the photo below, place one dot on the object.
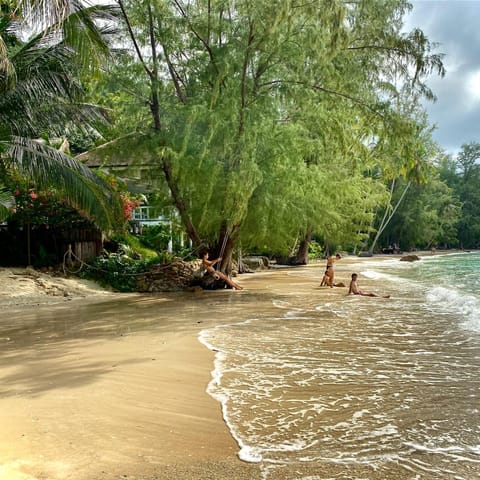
(29, 253)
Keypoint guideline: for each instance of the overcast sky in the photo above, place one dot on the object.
(455, 26)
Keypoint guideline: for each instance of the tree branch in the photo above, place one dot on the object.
(329, 91)
(175, 77)
(132, 37)
(243, 87)
(199, 37)
(155, 103)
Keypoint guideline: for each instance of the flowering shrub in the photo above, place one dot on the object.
(129, 205)
(44, 208)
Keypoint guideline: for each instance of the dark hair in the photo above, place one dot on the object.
(354, 275)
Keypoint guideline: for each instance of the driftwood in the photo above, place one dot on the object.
(176, 276)
(169, 277)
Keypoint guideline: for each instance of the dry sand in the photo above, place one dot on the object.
(30, 288)
(102, 386)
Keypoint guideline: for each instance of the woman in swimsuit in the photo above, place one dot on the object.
(328, 275)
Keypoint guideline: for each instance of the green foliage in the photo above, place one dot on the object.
(315, 251)
(463, 176)
(155, 237)
(134, 248)
(117, 271)
(278, 119)
(429, 216)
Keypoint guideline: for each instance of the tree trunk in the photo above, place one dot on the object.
(302, 253)
(386, 218)
(166, 164)
(228, 240)
(179, 203)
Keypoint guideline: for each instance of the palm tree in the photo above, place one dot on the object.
(40, 94)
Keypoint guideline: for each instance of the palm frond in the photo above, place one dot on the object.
(83, 31)
(44, 98)
(49, 168)
(7, 71)
(42, 13)
(6, 203)
(79, 25)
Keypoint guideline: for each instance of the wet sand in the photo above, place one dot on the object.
(114, 387)
(108, 390)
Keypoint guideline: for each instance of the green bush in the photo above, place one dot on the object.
(134, 247)
(117, 271)
(155, 237)
(315, 250)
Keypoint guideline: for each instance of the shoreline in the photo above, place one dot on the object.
(85, 396)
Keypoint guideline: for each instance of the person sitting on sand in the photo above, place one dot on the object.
(328, 275)
(356, 291)
(325, 279)
(207, 266)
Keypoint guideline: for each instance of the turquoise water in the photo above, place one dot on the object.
(447, 284)
(361, 388)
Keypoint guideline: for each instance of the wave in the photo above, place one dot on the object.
(454, 289)
(296, 393)
(446, 299)
(474, 449)
(377, 275)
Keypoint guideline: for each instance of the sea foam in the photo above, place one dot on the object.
(451, 300)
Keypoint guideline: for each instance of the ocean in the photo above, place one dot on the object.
(319, 386)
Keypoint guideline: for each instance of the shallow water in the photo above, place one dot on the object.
(359, 387)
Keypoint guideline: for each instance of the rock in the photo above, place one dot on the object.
(210, 282)
(196, 289)
(410, 258)
(256, 262)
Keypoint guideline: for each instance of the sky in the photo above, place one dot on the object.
(455, 26)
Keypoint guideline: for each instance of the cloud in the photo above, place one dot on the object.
(473, 84)
(453, 25)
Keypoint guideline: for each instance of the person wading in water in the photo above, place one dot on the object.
(329, 274)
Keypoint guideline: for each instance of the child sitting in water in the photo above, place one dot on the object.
(356, 291)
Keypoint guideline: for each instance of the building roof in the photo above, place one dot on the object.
(122, 152)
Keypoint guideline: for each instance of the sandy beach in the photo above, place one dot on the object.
(98, 385)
